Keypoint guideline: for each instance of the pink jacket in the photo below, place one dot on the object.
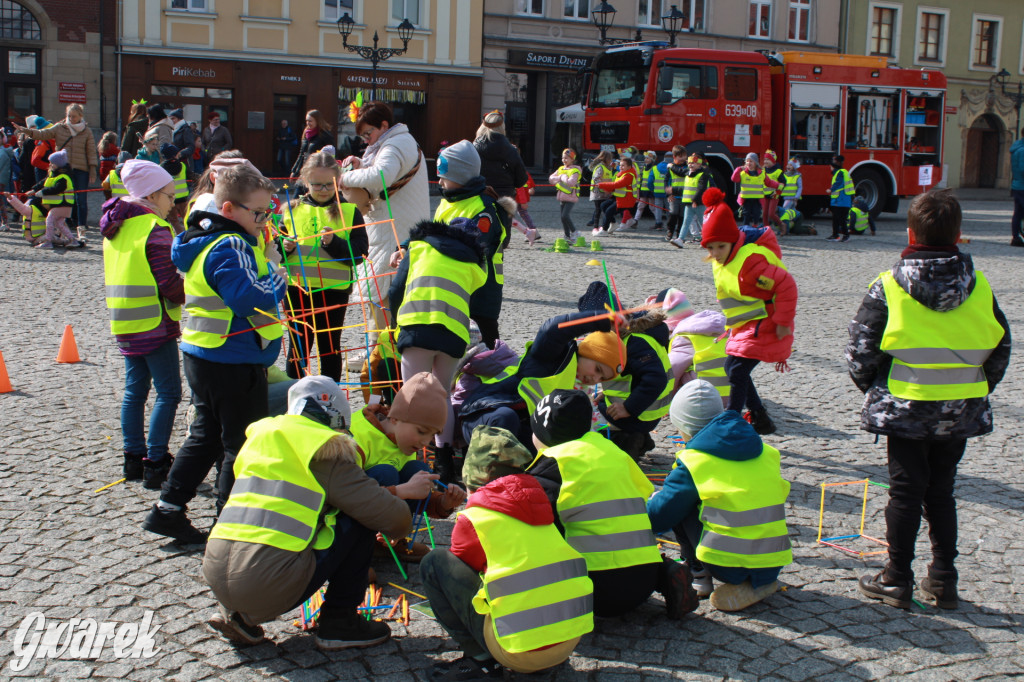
(680, 353)
(567, 180)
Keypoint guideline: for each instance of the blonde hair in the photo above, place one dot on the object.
(493, 123)
(77, 108)
(237, 183)
(326, 161)
(341, 448)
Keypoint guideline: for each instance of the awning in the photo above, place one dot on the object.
(385, 95)
(570, 114)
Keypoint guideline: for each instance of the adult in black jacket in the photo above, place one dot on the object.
(315, 137)
(500, 163)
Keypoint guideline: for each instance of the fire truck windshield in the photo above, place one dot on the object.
(620, 80)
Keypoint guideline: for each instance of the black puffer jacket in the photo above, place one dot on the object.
(941, 280)
(310, 146)
(500, 163)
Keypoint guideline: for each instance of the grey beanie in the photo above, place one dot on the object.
(320, 399)
(694, 405)
(459, 162)
(752, 156)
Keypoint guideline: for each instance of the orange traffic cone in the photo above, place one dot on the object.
(68, 348)
(5, 381)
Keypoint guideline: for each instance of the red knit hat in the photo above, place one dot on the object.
(719, 225)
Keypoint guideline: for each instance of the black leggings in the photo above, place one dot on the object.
(742, 394)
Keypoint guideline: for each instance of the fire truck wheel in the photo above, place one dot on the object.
(872, 186)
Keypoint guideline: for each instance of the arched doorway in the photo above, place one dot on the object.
(982, 151)
(20, 64)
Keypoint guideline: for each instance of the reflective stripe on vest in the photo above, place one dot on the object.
(637, 181)
(622, 191)
(657, 181)
(742, 509)
(939, 355)
(565, 189)
(535, 586)
(602, 503)
(35, 225)
(117, 188)
(471, 208)
(309, 265)
(678, 181)
(709, 361)
(66, 198)
(435, 298)
(751, 186)
(209, 318)
(275, 499)
(376, 446)
(133, 297)
(532, 389)
(690, 187)
(737, 307)
(180, 184)
(860, 219)
(618, 391)
(789, 190)
(847, 186)
(774, 175)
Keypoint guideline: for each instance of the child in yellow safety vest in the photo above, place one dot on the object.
(567, 185)
(33, 224)
(58, 195)
(725, 499)
(860, 218)
(506, 535)
(927, 347)
(696, 348)
(754, 183)
(758, 298)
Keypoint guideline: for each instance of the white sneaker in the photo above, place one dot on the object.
(677, 242)
(616, 227)
(575, 235)
(738, 597)
(531, 236)
(630, 224)
(597, 232)
(703, 583)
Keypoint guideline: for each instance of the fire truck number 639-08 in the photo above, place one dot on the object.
(749, 110)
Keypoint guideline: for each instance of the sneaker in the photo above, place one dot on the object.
(155, 473)
(657, 226)
(132, 469)
(597, 232)
(630, 224)
(349, 631)
(738, 597)
(677, 242)
(234, 628)
(1016, 242)
(760, 420)
(173, 524)
(614, 227)
(898, 594)
(833, 238)
(44, 245)
(703, 583)
(467, 668)
(575, 235)
(942, 592)
(845, 238)
(81, 232)
(677, 588)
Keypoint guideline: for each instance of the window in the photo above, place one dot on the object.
(931, 37)
(406, 9)
(189, 5)
(577, 9)
(740, 84)
(883, 31)
(685, 81)
(693, 10)
(535, 7)
(22, 63)
(17, 22)
(986, 39)
(800, 20)
(649, 13)
(760, 19)
(334, 9)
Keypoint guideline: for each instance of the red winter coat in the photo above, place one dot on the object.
(623, 179)
(518, 495)
(757, 339)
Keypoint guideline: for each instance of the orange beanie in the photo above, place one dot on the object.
(604, 347)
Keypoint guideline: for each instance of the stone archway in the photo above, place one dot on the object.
(983, 151)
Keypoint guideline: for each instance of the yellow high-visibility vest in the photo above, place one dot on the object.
(532, 389)
(437, 290)
(133, 298)
(471, 208)
(571, 172)
(376, 446)
(774, 175)
(709, 361)
(751, 186)
(309, 265)
(737, 306)
(65, 198)
(618, 390)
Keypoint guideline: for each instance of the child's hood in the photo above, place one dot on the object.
(705, 323)
(939, 281)
(728, 436)
(115, 212)
(517, 495)
(762, 236)
(489, 363)
(458, 241)
(203, 228)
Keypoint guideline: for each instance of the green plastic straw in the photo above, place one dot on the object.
(430, 533)
(394, 556)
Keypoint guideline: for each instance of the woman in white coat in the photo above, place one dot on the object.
(393, 152)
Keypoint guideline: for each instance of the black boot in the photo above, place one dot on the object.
(761, 422)
(155, 473)
(132, 466)
(173, 524)
(444, 463)
(943, 592)
(894, 593)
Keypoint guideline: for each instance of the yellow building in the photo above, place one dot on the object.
(260, 62)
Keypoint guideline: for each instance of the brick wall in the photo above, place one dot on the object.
(75, 18)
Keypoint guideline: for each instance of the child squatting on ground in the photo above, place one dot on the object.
(927, 346)
(725, 498)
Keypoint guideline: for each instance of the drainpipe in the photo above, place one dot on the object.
(103, 98)
(117, 48)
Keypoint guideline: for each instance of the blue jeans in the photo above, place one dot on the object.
(80, 179)
(387, 475)
(693, 220)
(161, 369)
(1018, 215)
(450, 585)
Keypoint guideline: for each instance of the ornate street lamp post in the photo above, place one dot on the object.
(374, 54)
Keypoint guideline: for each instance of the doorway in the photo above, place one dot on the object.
(290, 108)
(520, 113)
(20, 84)
(983, 151)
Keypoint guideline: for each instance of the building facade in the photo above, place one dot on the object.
(51, 57)
(972, 44)
(260, 62)
(534, 49)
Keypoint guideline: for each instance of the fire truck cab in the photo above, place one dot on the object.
(886, 122)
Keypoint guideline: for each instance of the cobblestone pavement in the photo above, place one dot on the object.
(69, 552)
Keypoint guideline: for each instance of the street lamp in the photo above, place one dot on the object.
(374, 54)
(1016, 97)
(672, 23)
(604, 16)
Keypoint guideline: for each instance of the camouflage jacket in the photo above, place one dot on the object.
(940, 280)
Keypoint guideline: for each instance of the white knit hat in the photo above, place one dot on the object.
(694, 405)
(320, 399)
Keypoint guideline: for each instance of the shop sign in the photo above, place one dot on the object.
(292, 79)
(182, 71)
(548, 60)
(403, 81)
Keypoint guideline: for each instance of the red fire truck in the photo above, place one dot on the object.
(886, 122)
